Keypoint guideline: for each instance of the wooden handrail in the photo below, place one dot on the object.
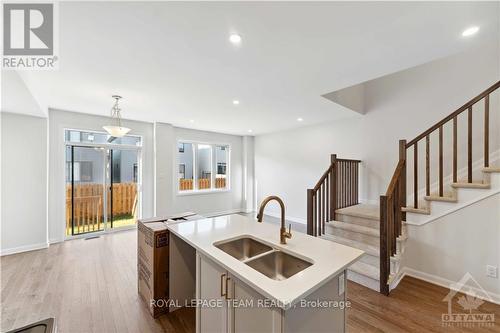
(323, 177)
(392, 202)
(336, 188)
(395, 178)
(461, 109)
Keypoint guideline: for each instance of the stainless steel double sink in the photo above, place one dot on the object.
(271, 262)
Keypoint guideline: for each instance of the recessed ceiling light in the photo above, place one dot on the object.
(250, 131)
(299, 119)
(191, 121)
(235, 38)
(236, 102)
(470, 31)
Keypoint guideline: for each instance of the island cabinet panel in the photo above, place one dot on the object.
(242, 309)
(321, 311)
(250, 312)
(211, 313)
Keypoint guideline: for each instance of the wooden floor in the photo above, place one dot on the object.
(91, 286)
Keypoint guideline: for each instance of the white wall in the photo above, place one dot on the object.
(60, 120)
(33, 157)
(168, 201)
(24, 183)
(464, 241)
(249, 202)
(398, 106)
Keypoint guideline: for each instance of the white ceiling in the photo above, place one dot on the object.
(173, 62)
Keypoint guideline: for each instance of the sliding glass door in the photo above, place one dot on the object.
(123, 190)
(102, 188)
(85, 181)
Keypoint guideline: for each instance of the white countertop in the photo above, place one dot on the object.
(328, 258)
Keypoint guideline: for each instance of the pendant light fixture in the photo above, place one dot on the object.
(117, 130)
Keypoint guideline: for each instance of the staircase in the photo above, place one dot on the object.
(359, 227)
(334, 212)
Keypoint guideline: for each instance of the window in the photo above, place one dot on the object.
(182, 171)
(75, 136)
(221, 162)
(202, 166)
(82, 171)
(136, 172)
(186, 160)
(221, 168)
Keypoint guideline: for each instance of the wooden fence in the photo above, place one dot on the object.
(204, 183)
(88, 201)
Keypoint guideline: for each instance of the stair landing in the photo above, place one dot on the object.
(367, 211)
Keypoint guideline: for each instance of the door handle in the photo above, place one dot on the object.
(222, 285)
(227, 290)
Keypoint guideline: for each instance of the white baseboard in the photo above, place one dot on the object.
(448, 284)
(24, 248)
(395, 282)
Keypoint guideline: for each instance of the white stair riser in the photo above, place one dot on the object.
(358, 220)
(358, 237)
(349, 234)
(363, 280)
(464, 195)
(375, 262)
(439, 207)
(370, 259)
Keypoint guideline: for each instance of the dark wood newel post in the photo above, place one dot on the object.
(333, 186)
(402, 157)
(310, 211)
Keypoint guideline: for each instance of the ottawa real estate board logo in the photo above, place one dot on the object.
(29, 36)
(468, 296)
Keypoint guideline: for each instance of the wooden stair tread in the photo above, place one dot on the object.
(355, 228)
(474, 184)
(367, 211)
(491, 169)
(421, 210)
(446, 197)
(365, 269)
(369, 249)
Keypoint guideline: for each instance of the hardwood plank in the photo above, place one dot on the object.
(414, 306)
(91, 286)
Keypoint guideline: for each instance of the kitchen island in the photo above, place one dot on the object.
(245, 280)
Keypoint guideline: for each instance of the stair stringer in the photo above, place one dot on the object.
(465, 197)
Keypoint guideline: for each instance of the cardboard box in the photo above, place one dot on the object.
(153, 249)
(153, 266)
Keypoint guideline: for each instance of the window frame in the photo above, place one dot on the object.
(213, 163)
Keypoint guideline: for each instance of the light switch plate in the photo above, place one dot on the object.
(341, 283)
(492, 271)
